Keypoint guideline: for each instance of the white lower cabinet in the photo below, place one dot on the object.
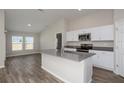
(103, 59)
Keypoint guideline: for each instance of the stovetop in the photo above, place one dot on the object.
(79, 48)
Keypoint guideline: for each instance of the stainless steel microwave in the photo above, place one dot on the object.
(84, 37)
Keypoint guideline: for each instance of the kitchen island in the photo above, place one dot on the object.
(71, 67)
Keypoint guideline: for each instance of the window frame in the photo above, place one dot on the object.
(28, 43)
(17, 43)
(23, 43)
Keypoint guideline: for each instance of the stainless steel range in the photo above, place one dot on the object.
(85, 48)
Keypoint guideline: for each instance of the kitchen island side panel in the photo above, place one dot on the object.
(68, 70)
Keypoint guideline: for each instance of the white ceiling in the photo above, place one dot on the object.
(18, 19)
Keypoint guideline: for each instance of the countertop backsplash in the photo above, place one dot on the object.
(95, 43)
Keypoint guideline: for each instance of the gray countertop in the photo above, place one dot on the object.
(75, 56)
(103, 48)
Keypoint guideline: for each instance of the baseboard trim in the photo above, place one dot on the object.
(65, 81)
(118, 73)
(110, 69)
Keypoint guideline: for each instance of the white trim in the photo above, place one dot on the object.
(65, 81)
(116, 72)
(22, 54)
(110, 69)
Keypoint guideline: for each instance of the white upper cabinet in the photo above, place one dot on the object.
(95, 35)
(102, 33)
(69, 36)
(72, 36)
(75, 35)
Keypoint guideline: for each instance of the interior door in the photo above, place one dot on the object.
(119, 47)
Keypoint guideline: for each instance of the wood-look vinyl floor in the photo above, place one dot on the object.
(105, 76)
(27, 69)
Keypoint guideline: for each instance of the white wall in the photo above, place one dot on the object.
(9, 35)
(2, 39)
(48, 36)
(98, 18)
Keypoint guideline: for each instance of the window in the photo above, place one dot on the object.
(17, 43)
(29, 43)
(22, 43)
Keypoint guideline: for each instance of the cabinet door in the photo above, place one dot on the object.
(95, 58)
(102, 33)
(96, 61)
(69, 36)
(103, 59)
(106, 60)
(72, 36)
(107, 33)
(95, 34)
(75, 36)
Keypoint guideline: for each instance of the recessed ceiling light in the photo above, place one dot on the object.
(29, 25)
